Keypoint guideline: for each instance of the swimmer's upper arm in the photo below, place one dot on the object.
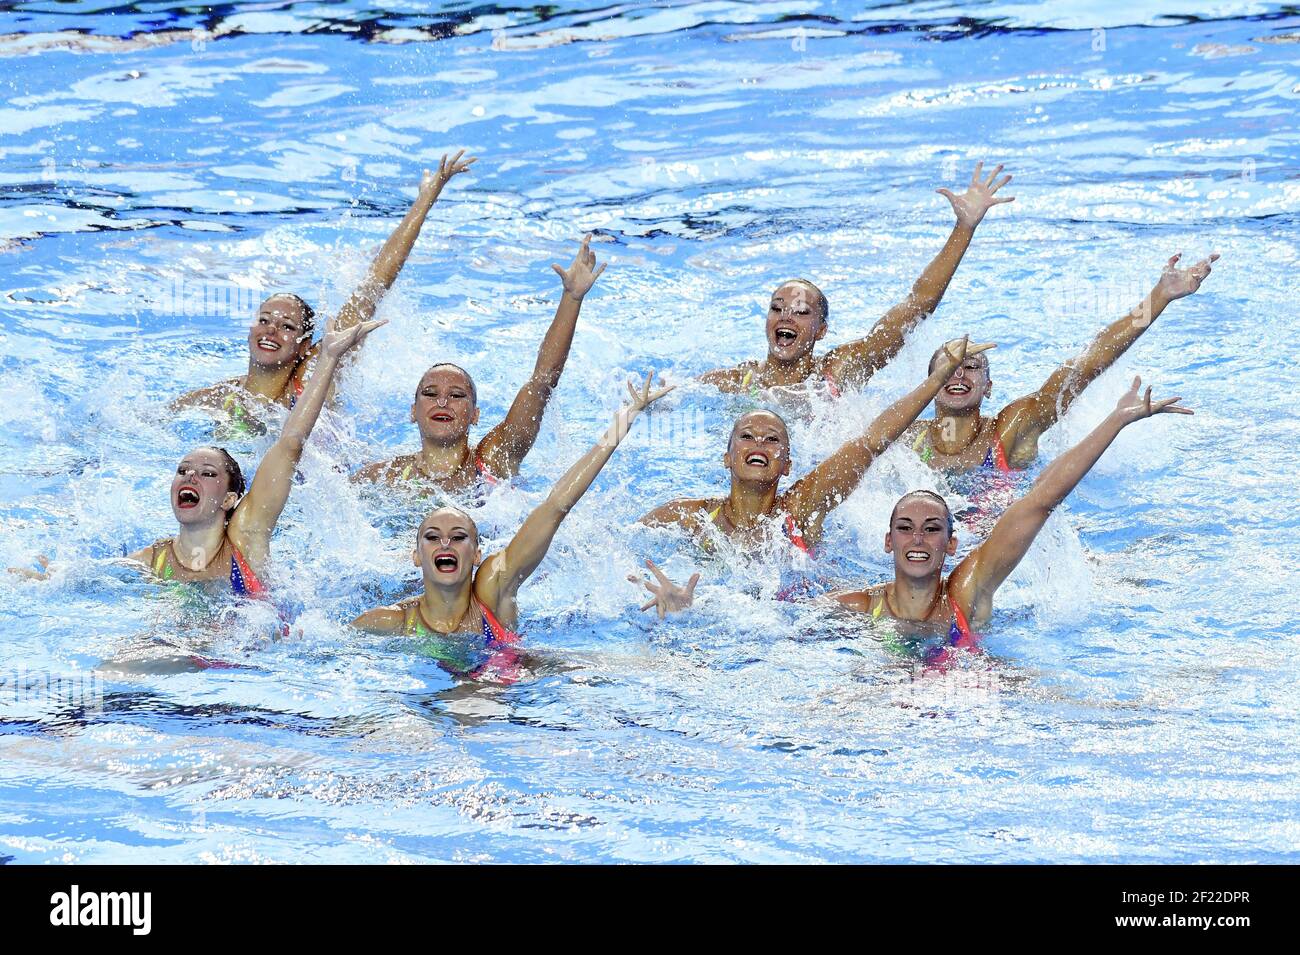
(381, 620)
(1020, 425)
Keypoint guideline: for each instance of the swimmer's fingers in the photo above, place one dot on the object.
(658, 393)
(659, 574)
(947, 194)
(993, 175)
(690, 585)
(975, 176)
(1202, 268)
(956, 349)
(1170, 406)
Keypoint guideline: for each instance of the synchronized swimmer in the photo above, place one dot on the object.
(799, 313)
(446, 406)
(280, 348)
(466, 613)
(758, 456)
(937, 615)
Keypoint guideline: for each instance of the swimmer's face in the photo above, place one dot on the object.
(967, 386)
(201, 488)
(277, 338)
(918, 537)
(444, 408)
(446, 548)
(794, 321)
(759, 449)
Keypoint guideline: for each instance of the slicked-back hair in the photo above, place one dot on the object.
(922, 492)
(473, 389)
(824, 302)
(308, 313)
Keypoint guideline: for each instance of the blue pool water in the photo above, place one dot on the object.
(161, 170)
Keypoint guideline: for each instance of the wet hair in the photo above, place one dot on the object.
(929, 370)
(308, 313)
(234, 474)
(731, 437)
(473, 391)
(448, 507)
(929, 495)
(824, 305)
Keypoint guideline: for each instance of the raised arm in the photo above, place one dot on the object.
(826, 485)
(1023, 421)
(388, 263)
(979, 575)
(505, 446)
(255, 518)
(505, 571)
(853, 364)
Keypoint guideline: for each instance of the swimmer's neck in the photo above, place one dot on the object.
(443, 608)
(775, 373)
(909, 599)
(749, 503)
(269, 383)
(194, 546)
(952, 432)
(441, 461)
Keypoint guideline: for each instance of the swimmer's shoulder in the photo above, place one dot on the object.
(210, 398)
(145, 555)
(389, 619)
(731, 380)
(386, 472)
(860, 600)
(692, 513)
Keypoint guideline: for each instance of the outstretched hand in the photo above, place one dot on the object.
(446, 169)
(1134, 405)
(979, 196)
(645, 395)
(337, 343)
(1176, 283)
(579, 277)
(668, 596)
(957, 351)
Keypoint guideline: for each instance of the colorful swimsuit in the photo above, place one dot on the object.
(753, 388)
(242, 423)
(995, 458)
(960, 636)
(503, 663)
(243, 582)
(479, 466)
(792, 532)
